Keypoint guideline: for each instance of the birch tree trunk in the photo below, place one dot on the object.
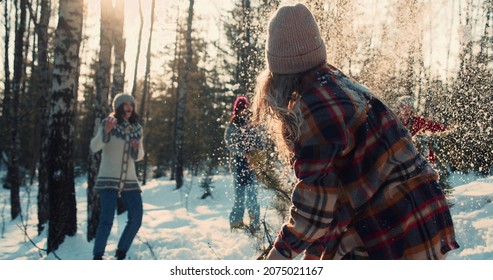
(68, 36)
(101, 111)
(13, 172)
(145, 93)
(44, 84)
(182, 101)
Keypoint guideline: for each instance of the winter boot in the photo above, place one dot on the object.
(237, 225)
(254, 229)
(120, 255)
(98, 258)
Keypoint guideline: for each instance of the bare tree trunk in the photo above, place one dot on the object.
(68, 37)
(134, 86)
(170, 125)
(44, 84)
(449, 31)
(101, 111)
(487, 41)
(145, 93)
(245, 56)
(182, 101)
(7, 90)
(118, 48)
(13, 172)
(34, 158)
(27, 41)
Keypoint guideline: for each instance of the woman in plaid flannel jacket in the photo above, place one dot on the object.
(363, 191)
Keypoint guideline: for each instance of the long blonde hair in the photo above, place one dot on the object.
(275, 106)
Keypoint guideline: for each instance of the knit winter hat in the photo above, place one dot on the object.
(405, 101)
(294, 44)
(240, 104)
(122, 98)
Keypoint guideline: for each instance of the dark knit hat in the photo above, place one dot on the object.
(294, 44)
(122, 98)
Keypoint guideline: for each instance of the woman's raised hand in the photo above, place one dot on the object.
(110, 124)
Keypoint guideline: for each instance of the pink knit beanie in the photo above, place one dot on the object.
(241, 103)
(294, 44)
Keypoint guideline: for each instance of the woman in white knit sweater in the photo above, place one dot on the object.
(120, 139)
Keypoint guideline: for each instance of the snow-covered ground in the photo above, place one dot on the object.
(473, 217)
(182, 227)
(177, 225)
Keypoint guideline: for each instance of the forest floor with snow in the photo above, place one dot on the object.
(179, 225)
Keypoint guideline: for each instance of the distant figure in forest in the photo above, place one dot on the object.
(418, 125)
(240, 140)
(424, 132)
(363, 191)
(120, 139)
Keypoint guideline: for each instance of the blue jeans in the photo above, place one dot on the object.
(132, 201)
(244, 187)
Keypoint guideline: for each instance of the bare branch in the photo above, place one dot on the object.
(34, 244)
(212, 249)
(33, 16)
(148, 246)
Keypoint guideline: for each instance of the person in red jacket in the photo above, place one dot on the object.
(418, 125)
(421, 128)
